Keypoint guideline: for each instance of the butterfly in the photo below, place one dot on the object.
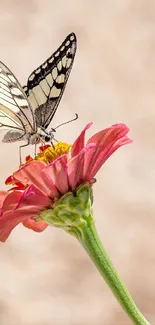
(27, 111)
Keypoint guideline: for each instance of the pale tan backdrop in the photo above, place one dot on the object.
(47, 278)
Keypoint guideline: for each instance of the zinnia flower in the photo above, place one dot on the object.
(40, 183)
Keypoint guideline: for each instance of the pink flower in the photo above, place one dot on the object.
(42, 183)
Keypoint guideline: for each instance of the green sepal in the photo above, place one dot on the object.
(71, 211)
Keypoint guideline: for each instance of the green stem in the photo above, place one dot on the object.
(93, 246)
(73, 213)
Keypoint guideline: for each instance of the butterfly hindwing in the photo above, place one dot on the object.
(13, 135)
(46, 84)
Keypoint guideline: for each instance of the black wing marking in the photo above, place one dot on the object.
(46, 84)
(15, 110)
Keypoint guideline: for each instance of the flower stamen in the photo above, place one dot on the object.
(50, 153)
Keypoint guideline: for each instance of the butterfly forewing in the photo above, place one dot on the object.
(25, 110)
(46, 84)
(15, 110)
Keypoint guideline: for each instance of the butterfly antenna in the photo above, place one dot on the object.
(74, 119)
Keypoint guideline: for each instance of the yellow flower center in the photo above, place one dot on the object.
(53, 152)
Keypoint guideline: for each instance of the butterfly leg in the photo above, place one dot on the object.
(35, 150)
(55, 140)
(52, 145)
(20, 150)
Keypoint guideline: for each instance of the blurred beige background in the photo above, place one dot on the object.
(47, 278)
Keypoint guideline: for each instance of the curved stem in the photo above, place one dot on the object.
(73, 213)
(93, 246)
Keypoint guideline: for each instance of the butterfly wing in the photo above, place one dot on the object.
(16, 112)
(46, 84)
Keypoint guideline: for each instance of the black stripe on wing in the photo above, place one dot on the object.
(46, 84)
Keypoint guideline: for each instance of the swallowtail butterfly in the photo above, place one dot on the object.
(27, 111)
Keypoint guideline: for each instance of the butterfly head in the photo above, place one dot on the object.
(47, 138)
(44, 135)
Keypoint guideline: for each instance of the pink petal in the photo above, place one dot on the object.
(79, 143)
(10, 220)
(107, 141)
(13, 220)
(31, 174)
(34, 200)
(57, 172)
(11, 202)
(19, 207)
(76, 167)
(8, 226)
(3, 195)
(37, 226)
(50, 184)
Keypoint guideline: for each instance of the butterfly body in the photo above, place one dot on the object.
(27, 111)
(41, 135)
